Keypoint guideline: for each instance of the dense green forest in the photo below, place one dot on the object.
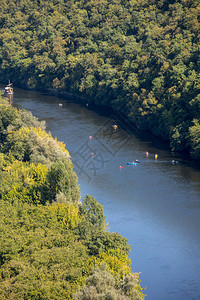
(139, 55)
(52, 245)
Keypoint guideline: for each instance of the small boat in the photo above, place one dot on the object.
(132, 163)
(121, 167)
(174, 161)
(9, 89)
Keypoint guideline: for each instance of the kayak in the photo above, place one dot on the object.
(174, 162)
(131, 163)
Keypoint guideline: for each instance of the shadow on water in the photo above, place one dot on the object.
(151, 141)
(147, 137)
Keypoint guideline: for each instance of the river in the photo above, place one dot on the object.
(155, 204)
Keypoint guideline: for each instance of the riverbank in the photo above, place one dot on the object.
(118, 117)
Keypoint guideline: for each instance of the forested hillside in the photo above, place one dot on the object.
(142, 55)
(52, 246)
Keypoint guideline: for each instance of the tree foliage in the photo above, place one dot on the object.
(102, 285)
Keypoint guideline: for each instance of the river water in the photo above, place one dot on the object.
(155, 204)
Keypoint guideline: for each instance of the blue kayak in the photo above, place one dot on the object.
(131, 163)
(174, 161)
